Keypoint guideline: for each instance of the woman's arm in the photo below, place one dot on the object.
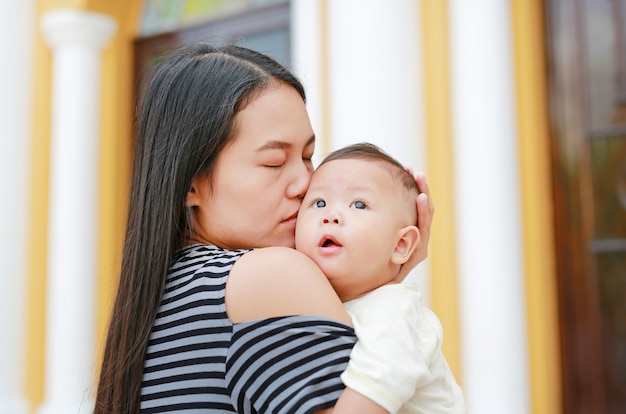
(278, 281)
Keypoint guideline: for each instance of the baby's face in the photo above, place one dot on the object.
(349, 224)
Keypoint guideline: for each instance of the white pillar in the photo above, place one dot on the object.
(17, 19)
(375, 82)
(76, 39)
(375, 76)
(488, 217)
(307, 63)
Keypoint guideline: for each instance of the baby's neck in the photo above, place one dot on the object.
(347, 295)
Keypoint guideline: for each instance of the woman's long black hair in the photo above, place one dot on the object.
(185, 119)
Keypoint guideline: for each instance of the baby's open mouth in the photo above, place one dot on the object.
(329, 242)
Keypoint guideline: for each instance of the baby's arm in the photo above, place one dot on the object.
(353, 402)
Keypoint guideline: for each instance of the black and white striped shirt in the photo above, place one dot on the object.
(198, 361)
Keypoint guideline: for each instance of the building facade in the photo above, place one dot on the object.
(516, 110)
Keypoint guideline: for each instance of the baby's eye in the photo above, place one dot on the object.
(359, 204)
(319, 204)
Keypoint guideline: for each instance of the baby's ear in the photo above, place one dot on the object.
(408, 239)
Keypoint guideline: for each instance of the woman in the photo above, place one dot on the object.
(222, 161)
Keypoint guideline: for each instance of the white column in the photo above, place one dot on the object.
(76, 39)
(17, 19)
(488, 217)
(375, 82)
(375, 76)
(306, 62)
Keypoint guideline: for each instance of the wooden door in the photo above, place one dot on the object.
(586, 44)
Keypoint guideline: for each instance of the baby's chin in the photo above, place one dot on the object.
(331, 274)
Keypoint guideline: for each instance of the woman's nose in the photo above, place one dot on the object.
(300, 182)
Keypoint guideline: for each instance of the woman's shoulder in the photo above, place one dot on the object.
(279, 281)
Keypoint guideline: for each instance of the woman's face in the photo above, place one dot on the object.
(260, 178)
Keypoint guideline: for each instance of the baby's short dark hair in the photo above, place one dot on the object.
(368, 151)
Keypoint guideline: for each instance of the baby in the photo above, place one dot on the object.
(358, 223)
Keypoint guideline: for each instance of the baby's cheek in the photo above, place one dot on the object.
(371, 249)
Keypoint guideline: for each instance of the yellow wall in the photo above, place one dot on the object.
(324, 147)
(537, 208)
(35, 339)
(117, 87)
(442, 251)
(115, 151)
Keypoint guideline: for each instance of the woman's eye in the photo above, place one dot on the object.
(308, 163)
(319, 204)
(359, 204)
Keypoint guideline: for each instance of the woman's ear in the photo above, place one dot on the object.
(194, 194)
(408, 239)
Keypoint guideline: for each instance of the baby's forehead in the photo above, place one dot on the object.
(401, 183)
(361, 173)
(355, 168)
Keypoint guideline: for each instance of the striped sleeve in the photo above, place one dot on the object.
(288, 365)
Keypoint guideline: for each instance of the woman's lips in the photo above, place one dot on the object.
(291, 221)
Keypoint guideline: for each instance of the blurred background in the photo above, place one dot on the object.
(516, 111)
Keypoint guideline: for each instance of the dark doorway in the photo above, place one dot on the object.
(266, 29)
(586, 44)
